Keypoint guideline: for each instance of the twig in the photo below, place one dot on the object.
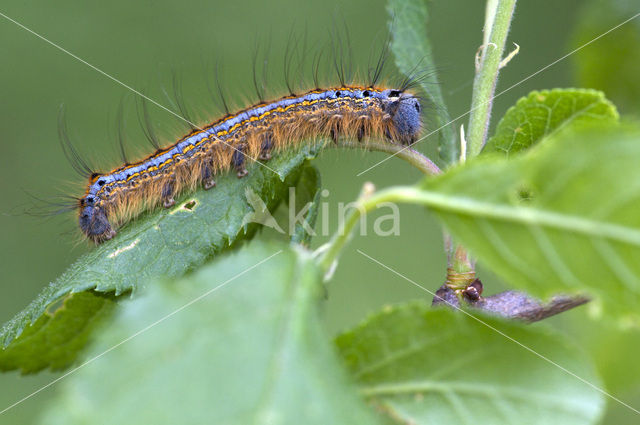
(511, 304)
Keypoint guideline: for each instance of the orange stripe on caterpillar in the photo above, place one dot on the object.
(354, 112)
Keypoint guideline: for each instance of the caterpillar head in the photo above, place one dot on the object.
(93, 221)
(406, 115)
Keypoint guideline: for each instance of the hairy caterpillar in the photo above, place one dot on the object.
(345, 111)
(353, 112)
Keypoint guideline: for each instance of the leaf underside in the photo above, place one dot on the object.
(561, 218)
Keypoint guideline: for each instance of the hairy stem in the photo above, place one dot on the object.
(497, 22)
(460, 267)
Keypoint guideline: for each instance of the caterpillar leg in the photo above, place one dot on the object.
(335, 128)
(265, 156)
(238, 161)
(387, 135)
(168, 191)
(265, 149)
(334, 135)
(207, 177)
(361, 128)
(109, 235)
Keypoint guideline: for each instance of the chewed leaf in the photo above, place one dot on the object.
(421, 365)
(164, 242)
(561, 218)
(543, 113)
(250, 350)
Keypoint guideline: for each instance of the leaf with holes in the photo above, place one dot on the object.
(421, 365)
(161, 243)
(542, 113)
(242, 343)
(561, 218)
(411, 48)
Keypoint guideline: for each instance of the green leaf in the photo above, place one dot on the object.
(412, 51)
(436, 366)
(161, 243)
(245, 347)
(307, 196)
(610, 346)
(543, 113)
(611, 64)
(56, 337)
(561, 218)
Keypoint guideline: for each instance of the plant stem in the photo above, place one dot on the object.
(415, 158)
(367, 201)
(460, 266)
(328, 253)
(497, 23)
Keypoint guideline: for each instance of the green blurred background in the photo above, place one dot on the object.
(143, 42)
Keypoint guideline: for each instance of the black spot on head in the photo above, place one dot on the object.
(338, 93)
(365, 93)
(394, 93)
(101, 182)
(417, 105)
(89, 200)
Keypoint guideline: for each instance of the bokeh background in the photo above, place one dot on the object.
(143, 42)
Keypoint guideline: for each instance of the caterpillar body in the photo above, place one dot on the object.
(354, 112)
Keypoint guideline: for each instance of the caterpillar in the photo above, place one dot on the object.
(348, 111)
(392, 114)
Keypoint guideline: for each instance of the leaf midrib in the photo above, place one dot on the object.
(529, 216)
(283, 342)
(425, 386)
